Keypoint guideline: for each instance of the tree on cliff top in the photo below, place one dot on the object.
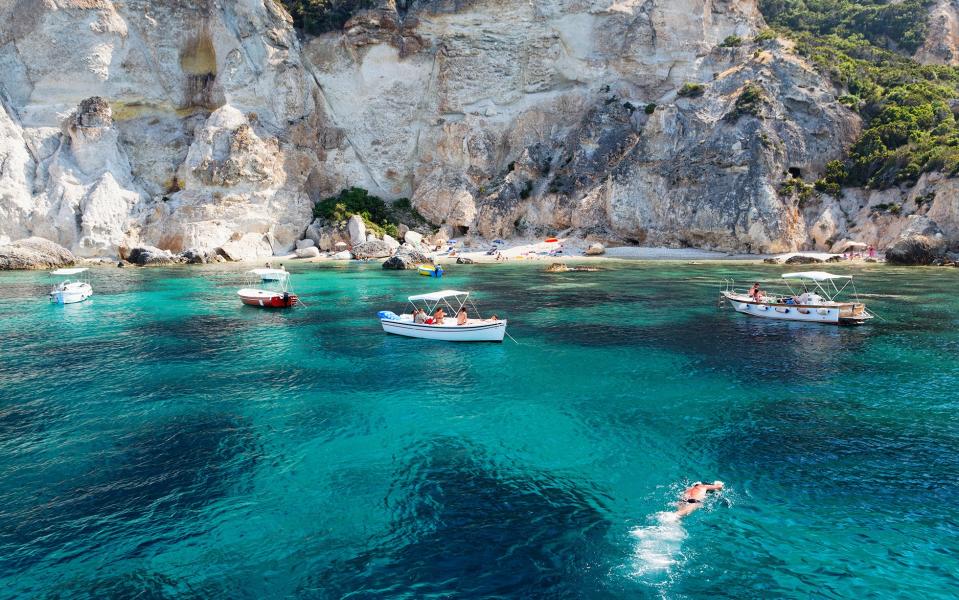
(320, 16)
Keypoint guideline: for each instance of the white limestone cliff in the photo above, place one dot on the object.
(210, 124)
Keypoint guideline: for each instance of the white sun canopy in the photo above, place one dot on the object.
(68, 271)
(815, 276)
(437, 296)
(270, 273)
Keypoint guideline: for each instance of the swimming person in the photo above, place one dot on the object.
(692, 498)
(461, 318)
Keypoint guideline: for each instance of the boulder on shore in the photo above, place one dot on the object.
(462, 260)
(357, 229)
(413, 238)
(372, 249)
(150, 255)
(34, 253)
(344, 255)
(391, 242)
(305, 243)
(921, 243)
(595, 250)
(916, 249)
(406, 257)
(192, 256)
(308, 252)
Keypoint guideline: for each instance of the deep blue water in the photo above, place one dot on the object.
(161, 440)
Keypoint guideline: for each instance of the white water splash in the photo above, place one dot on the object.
(658, 547)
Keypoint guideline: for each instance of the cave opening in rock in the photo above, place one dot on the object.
(795, 172)
(460, 230)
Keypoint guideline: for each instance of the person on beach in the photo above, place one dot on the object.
(438, 316)
(692, 498)
(461, 317)
(269, 265)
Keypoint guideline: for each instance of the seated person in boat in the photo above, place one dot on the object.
(461, 317)
(419, 315)
(438, 316)
(493, 318)
(755, 293)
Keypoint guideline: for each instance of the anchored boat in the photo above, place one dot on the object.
(430, 270)
(70, 291)
(815, 299)
(473, 330)
(274, 290)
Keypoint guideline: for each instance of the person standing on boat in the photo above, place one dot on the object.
(692, 499)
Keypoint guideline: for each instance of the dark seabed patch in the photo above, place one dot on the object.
(464, 527)
(158, 474)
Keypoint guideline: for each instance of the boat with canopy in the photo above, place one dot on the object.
(273, 291)
(71, 291)
(815, 298)
(473, 330)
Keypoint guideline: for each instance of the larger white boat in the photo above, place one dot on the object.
(815, 300)
(71, 291)
(474, 330)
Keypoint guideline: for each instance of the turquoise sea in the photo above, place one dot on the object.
(161, 440)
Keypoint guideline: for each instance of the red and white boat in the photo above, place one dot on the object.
(274, 291)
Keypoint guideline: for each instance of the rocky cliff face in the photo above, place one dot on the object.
(208, 124)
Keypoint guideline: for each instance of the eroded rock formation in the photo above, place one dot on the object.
(212, 126)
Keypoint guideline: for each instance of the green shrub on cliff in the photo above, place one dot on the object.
(379, 216)
(692, 90)
(320, 16)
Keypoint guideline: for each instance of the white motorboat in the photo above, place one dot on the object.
(71, 291)
(815, 300)
(274, 290)
(474, 330)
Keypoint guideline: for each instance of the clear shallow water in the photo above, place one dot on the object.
(163, 440)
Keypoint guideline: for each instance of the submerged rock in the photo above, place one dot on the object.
(800, 259)
(34, 253)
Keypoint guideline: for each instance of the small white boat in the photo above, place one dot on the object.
(274, 291)
(817, 302)
(70, 291)
(474, 330)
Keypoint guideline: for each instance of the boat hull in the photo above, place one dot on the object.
(267, 299)
(493, 331)
(832, 314)
(71, 294)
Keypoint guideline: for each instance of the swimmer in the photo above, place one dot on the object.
(692, 498)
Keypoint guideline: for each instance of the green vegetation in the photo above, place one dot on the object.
(378, 216)
(320, 16)
(650, 108)
(749, 102)
(885, 23)
(832, 181)
(796, 187)
(692, 90)
(766, 35)
(910, 127)
(732, 41)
